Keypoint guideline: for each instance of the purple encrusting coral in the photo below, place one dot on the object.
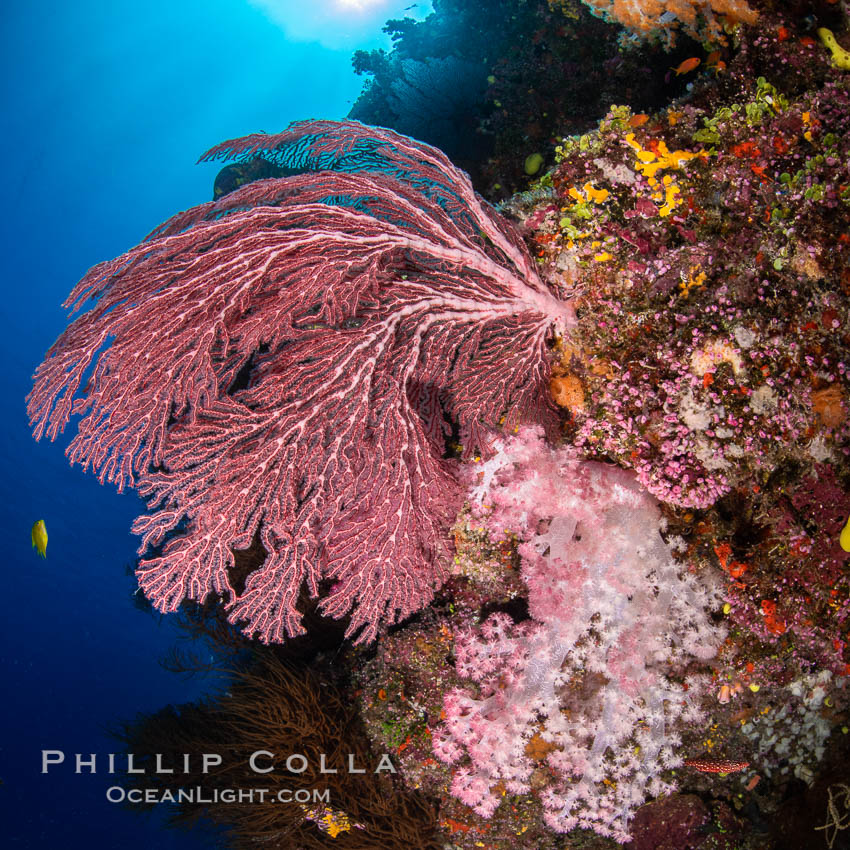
(796, 598)
(711, 246)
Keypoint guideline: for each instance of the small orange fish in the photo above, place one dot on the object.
(638, 120)
(687, 66)
(712, 58)
(808, 41)
(783, 33)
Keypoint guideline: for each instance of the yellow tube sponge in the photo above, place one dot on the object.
(840, 56)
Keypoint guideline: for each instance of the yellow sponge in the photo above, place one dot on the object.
(840, 56)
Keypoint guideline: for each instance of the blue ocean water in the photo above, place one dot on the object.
(106, 106)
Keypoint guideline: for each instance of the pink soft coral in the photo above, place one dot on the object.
(613, 616)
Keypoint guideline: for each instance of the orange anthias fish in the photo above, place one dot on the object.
(714, 62)
(687, 66)
(638, 120)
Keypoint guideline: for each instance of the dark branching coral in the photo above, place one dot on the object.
(437, 100)
(282, 709)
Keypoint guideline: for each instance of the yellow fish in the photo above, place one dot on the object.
(39, 538)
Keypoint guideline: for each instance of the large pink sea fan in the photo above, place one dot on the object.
(288, 360)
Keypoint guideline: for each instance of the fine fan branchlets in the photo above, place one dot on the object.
(287, 360)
